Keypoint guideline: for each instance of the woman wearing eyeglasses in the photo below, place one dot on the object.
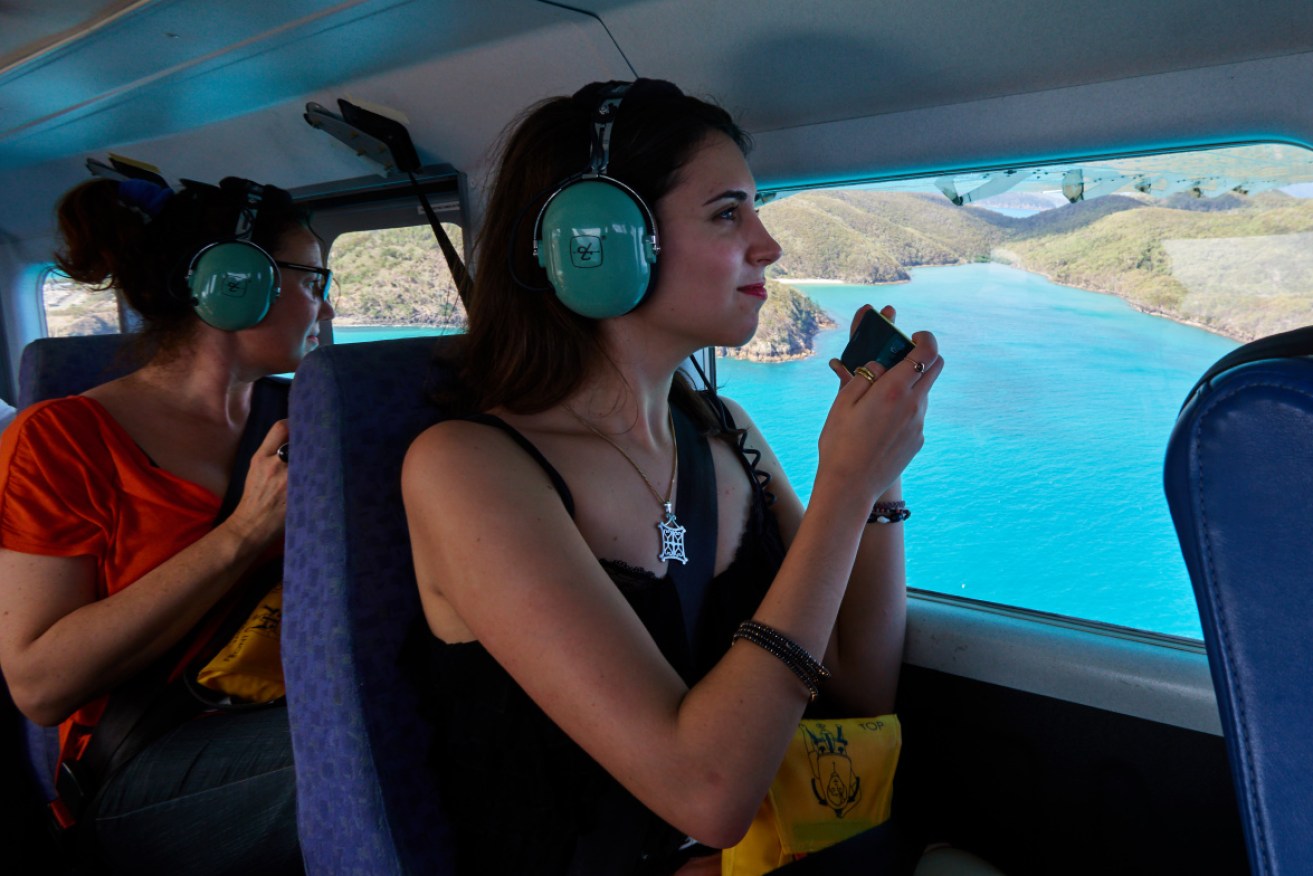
(121, 562)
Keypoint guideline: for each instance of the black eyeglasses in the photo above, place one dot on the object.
(325, 276)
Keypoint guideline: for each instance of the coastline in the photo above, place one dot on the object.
(1007, 259)
(348, 323)
(730, 353)
(1011, 260)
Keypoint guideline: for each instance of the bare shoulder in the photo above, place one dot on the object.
(470, 460)
(457, 444)
(443, 440)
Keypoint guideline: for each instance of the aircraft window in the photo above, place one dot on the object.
(1075, 306)
(73, 308)
(393, 283)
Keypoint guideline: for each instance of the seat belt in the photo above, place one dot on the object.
(624, 824)
(146, 705)
(695, 509)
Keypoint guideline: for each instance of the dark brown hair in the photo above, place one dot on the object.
(526, 351)
(139, 239)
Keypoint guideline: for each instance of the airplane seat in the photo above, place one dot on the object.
(365, 801)
(53, 368)
(1238, 478)
(56, 367)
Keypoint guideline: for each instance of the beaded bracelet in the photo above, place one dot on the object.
(889, 512)
(809, 670)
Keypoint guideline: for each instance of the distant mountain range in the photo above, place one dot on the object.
(1239, 266)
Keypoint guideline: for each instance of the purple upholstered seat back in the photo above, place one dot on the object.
(365, 804)
(56, 367)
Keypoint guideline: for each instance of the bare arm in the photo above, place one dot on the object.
(867, 647)
(60, 646)
(511, 564)
(865, 652)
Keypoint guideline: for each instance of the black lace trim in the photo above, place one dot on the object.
(637, 576)
(749, 456)
(752, 457)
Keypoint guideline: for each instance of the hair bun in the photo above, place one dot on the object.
(144, 196)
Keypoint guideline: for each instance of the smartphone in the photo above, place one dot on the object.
(876, 340)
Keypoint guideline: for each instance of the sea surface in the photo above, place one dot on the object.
(1040, 484)
(359, 334)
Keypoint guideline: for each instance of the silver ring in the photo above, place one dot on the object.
(282, 452)
(863, 371)
(918, 367)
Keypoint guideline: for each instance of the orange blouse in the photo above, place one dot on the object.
(74, 483)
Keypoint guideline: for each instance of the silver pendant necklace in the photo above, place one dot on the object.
(672, 533)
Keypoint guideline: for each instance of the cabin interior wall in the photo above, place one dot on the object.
(1039, 786)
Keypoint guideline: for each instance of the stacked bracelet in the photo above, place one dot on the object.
(889, 512)
(808, 669)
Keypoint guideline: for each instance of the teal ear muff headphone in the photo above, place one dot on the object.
(232, 283)
(594, 235)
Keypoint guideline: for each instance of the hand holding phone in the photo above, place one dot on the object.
(876, 340)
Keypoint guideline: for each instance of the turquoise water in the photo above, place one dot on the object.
(359, 334)
(1040, 484)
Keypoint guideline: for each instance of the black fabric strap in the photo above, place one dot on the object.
(146, 705)
(696, 511)
(269, 398)
(623, 823)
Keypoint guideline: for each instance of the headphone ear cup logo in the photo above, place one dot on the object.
(232, 284)
(597, 247)
(586, 251)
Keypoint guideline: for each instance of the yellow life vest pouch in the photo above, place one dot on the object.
(249, 667)
(836, 781)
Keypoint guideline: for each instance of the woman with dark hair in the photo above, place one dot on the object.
(130, 521)
(584, 725)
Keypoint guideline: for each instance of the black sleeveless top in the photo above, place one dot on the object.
(522, 798)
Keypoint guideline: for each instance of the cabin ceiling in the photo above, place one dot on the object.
(175, 82)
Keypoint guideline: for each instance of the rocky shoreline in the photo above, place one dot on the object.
(786, 330)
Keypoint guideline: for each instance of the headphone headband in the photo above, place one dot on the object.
(251, 196)
(594, 235)
(603, 120)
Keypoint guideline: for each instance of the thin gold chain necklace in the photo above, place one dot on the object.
(672, 534)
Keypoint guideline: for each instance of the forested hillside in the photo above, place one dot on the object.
(874, 237)
(395, 277)
(1240, 266)
(1243, 272)
(789, 322)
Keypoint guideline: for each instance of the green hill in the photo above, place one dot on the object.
(396, 276)
(1243, 272)
(1241, 266)
(788, 326)
(874, 237)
